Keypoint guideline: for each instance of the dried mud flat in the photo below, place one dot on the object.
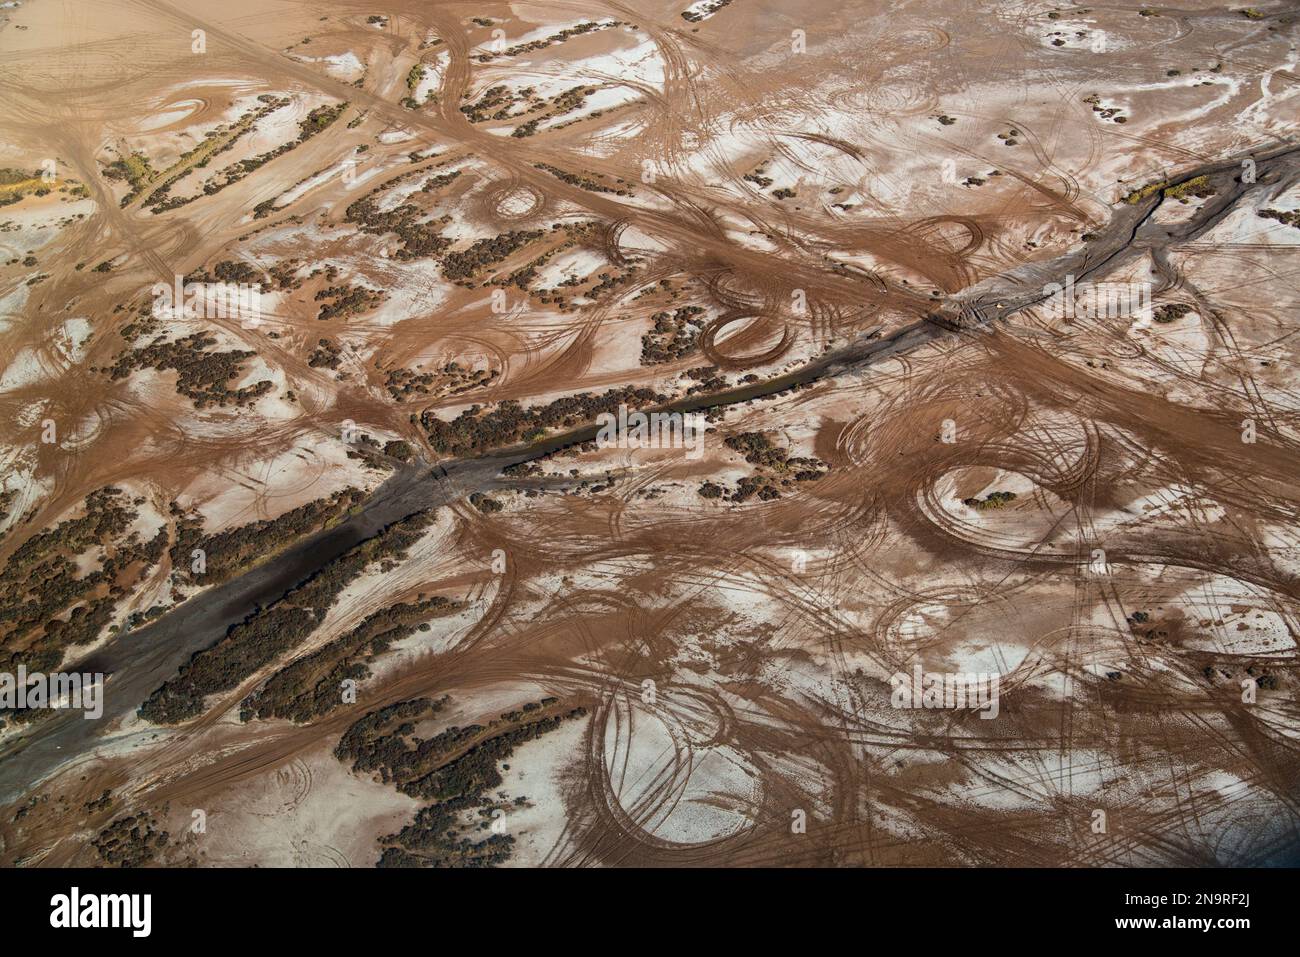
(364, 588)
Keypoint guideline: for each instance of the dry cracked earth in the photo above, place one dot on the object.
(355, 581)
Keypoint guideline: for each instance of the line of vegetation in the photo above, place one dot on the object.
(234, 550)
(314, 123)
(47, 605)
(311, 687)
(477, 429)
(270, 632)
(455, 768)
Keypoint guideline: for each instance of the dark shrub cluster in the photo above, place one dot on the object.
(347, 300)
(326, 355)
(201, 375)
(778, 470)
(673, 336)
(462, 266)
(131, 841)
(475, 429)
